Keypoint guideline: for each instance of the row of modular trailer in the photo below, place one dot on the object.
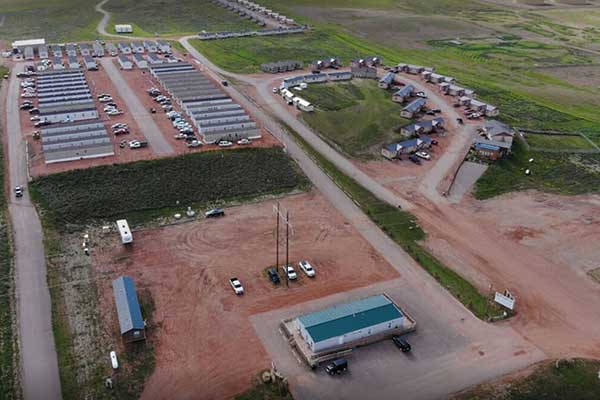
(141, 61)
(64, 95)
(315, 78)
(297, 101)
(211, 110)
(260, 32)
(281, 66)
(75, 141)
(149, 46)
(267, 12)
(413, 108)
(413, 69)
(331, 62)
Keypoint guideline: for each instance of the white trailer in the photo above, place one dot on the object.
(124, 231)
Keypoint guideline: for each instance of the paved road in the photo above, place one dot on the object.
(142, 116)
(40, 379)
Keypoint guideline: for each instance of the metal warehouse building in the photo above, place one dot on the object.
(128, 309)
(347, 324)
(75, 141)
(212, 111)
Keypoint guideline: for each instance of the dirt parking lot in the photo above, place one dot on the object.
(206, 347)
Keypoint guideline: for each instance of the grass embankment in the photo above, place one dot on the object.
(8, 367)
(54, 20)
(144, 190)
(558, 142)
(567, 174)
(183, 17)
(403, 228)
(358, 117)
(573, 380)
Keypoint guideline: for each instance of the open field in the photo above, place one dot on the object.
(564, 379)
(558, 142)
(201, 329)
(583, 75)
(184, 17)
(357, 116)
(54, 20)
(555, 173)
(144, 188)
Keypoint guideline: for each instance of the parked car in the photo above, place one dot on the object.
(34, 110)
(291, 273)
(414, 159)
(137, 144)
(337, 366)
(273, 275)
(26, 106)
(19, 191)
(101, 95)
(118, 125)
(401, 343)
(436, 111)
(215, 212)
(224, 83)
(28, 95)
(460, 121)
(236, 285)
(225, 143)
(194, 143)
(113, 113)
(122, 131)
(153, 110)
(307, 268)
(180, 136)
(243, 141)
(167, 108)
(105, 99)
(423, 154)
(42, 123)
(35, 118)
(434, 142)
(275, 90)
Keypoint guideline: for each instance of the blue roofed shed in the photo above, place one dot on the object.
(128, 309)
(347, 323)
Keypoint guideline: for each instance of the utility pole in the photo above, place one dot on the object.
(287, 247)
(277, 240)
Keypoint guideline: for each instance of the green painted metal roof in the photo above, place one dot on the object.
(349, 317)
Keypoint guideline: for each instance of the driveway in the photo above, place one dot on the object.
(157, 141)
(39, 365)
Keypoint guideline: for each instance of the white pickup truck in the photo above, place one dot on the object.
(236, 285)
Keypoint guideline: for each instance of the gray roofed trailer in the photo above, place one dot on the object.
(72, 127)
(79, 107)
(98, 49)
(163, 47)
(56, 51)
(57, 63)
(65, 92)
(90, 63)
(125, 48)
(202, 115)
(61, 88)
(85, 49)
(151, 46)
(197, 97)
(73, 63)
(55, 74)
(154, 59)
(77, 81)
(140, 61)
(214, 107)
(43, 51)
(227, 126)
(70, 137)
(125, 61)
(70, 114)
(232, 135)
(137, 47)
(59, 100)
(70, 49)
(83, 150)
(112, 49)
(59, 79)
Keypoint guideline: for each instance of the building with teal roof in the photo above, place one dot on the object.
(346, 323)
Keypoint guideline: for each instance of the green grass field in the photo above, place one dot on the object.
(146, 189)
(567, 174)
(356, 116)
(574, 380)
(558, 142)
(403, 228)
(54, 20)
(183, 17)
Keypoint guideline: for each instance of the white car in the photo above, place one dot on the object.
(291, 273)
(28, 95)
(243, 141)
(194, 143)
(105, 99)
(307, 268)
(236, 285)
(135, 144)
(423, 155)
(112, 113)
(225, 143)
(119, 125)
(421, 95)
(275, 90)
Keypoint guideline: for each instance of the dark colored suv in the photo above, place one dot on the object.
(337, 366)
(401, 343)
(273, 275)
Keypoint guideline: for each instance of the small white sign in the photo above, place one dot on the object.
(506, 301)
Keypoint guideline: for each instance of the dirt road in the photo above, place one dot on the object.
(158, 142)
(39, 365)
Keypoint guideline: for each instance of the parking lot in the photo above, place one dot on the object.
(448, 353)
(201, 328)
